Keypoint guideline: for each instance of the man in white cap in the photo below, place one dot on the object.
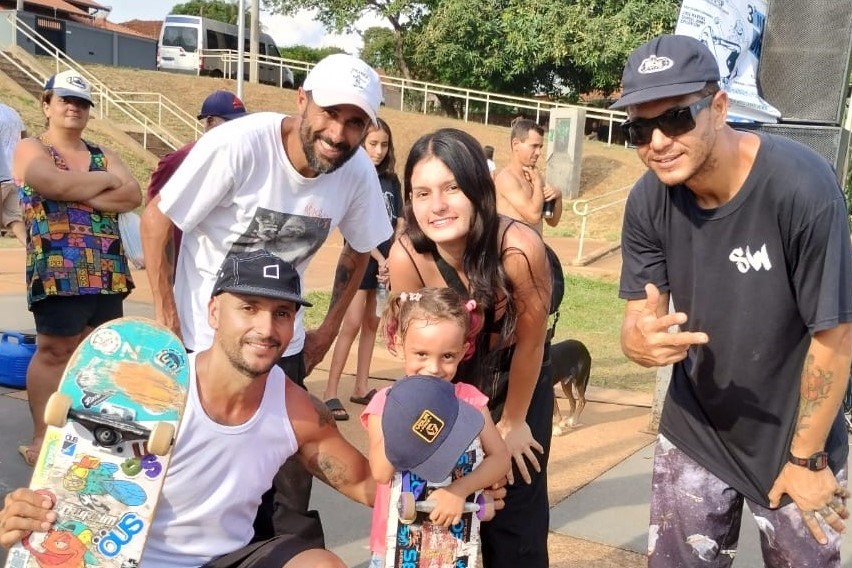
(748, 235)
(281, 183)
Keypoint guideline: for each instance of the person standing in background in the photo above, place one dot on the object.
(12, 131)
(77, 274)
(522, 193)
(218, 108)
(361, 314)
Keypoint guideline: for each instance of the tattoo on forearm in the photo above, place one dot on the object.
(816, 386)
(329, 469)
(342, 275)
(323, 413)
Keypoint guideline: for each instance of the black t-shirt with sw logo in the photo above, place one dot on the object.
(758, 275)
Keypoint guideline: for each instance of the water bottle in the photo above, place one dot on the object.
(547, 209)
(381, 298)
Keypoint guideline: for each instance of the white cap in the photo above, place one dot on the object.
(342, 79)
(70, 84)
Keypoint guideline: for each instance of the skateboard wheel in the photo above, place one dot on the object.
(406, 508)
(56, 410)
(160, 439)
(486, 507)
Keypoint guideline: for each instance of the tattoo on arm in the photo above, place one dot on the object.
(815, 389)
(323, 412)
(343, 274)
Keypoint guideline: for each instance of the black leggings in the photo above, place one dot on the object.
(518, 534)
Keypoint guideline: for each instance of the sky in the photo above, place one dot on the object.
(301, 29)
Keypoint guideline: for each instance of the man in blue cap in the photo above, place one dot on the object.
(747, 234)
(218, 108)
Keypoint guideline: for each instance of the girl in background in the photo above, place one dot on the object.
(361, 314)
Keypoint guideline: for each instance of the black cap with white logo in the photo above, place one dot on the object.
(260, 273)
(667, 66)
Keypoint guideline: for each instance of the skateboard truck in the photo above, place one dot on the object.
(109, 430)
(407, 507)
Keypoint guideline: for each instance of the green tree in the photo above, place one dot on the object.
(308, 54)
(219, 10)
(380, 49)
(533, 47)
(341, 16)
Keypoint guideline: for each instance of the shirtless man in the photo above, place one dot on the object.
(521, 189)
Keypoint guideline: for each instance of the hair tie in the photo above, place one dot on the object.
(410, 297)
(470, 305)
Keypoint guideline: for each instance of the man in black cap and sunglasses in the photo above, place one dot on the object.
(747, 234)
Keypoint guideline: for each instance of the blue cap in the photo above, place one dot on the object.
(667, 66)
(426, 427)
(224, 104)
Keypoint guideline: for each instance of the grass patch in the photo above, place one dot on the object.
(591, 312)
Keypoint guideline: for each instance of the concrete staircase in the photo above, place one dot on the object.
(24, 77)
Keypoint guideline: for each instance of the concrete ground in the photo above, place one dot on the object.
(599, 474)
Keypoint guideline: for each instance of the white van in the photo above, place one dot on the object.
(186, 41)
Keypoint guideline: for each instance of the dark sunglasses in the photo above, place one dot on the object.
(673, 122)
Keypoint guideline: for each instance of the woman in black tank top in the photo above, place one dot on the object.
(454, 237)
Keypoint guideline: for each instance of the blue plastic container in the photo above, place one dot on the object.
(16, 350)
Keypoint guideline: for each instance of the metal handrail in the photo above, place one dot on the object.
(582, 209)
(229, 58)
(163, 104)
(23, 69)
(105, 96)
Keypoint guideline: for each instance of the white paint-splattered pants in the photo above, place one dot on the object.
(695, 521)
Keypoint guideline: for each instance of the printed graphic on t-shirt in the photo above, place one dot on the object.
(294, 238)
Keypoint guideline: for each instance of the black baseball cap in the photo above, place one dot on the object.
(667, 66)
(260, 273)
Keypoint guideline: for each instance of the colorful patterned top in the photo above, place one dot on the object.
(72, 249)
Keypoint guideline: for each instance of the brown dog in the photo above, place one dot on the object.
(571, 365)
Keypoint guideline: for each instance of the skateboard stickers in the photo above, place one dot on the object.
(126, 379)
(422, 544)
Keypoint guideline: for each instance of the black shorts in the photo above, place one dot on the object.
(272, 553)
(66, 316)
(370, 280)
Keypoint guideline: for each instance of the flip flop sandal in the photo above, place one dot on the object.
(337, 410)
(365, 400)
(29, 454)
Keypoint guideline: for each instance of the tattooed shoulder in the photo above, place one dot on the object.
(323, 412)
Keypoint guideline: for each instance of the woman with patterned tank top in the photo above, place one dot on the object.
(77, 275)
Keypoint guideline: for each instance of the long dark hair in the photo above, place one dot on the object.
(462, 154)
(387, 167)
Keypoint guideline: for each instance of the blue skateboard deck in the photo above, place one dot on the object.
(124, 389)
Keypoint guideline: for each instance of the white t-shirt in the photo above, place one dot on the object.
(216, 478)
(11, 127)
(237, 191)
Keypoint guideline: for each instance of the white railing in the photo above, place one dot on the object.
(584, 209)
(424, 92)
(162, 107)
(105, 98)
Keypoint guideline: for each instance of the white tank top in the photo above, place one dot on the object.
(216, 478)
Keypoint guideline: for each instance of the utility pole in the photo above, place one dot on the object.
(255, 37)
(241, 45)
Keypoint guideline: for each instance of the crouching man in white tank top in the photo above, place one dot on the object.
(242, 421)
